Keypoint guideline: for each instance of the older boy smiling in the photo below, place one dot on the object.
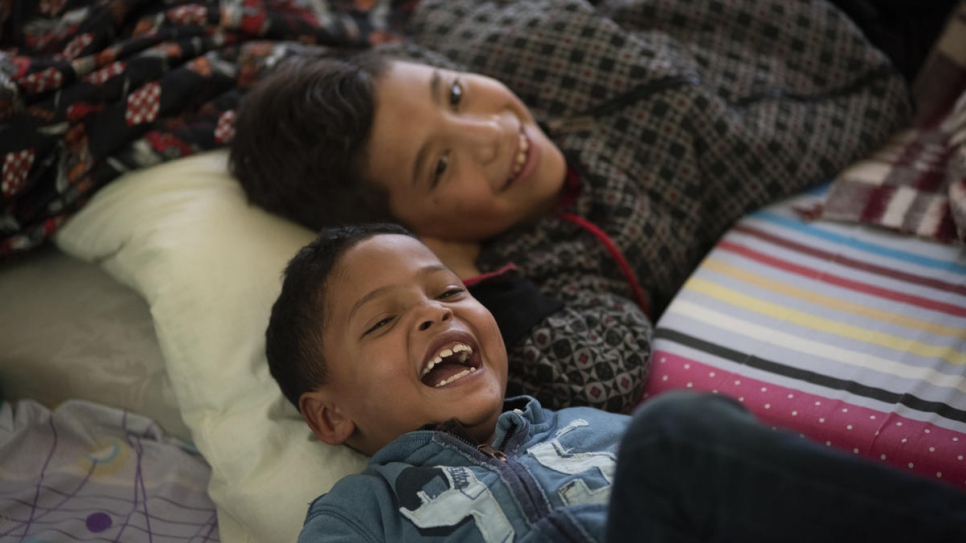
(460, 156)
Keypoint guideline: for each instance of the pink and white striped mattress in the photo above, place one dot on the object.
(850, 335)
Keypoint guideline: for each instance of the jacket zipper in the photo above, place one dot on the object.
(520, 483)
(491, 451)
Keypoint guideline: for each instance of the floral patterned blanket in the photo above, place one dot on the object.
(89, 90)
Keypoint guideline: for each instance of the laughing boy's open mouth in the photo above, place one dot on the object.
(450, 363)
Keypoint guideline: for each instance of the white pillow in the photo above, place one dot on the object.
(209, 265)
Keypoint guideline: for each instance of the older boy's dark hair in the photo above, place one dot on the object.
(301, 136)
(293, 340)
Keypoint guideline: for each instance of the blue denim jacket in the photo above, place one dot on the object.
(547, 477)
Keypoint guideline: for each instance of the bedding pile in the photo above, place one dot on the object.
(91, 97)
(91, 90)
(916, 183)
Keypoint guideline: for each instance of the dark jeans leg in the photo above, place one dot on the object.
(699, 467)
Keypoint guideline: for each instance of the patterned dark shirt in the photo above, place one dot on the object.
(679, 116)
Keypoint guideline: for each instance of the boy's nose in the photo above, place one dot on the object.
(481, 135)
(435, 313)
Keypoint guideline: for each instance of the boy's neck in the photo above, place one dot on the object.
(570, 190)
(456, 428)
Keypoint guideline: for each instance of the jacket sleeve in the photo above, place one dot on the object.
(334, 529)
(593, 349)
(324, 523)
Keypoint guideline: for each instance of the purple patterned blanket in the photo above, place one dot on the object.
(87, 472)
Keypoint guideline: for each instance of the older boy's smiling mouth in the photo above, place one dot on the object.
(450, 363)
(519, 158)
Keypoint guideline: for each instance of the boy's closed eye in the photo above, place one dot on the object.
(380, 324)
(450, 293)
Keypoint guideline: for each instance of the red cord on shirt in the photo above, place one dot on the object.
(616, 254)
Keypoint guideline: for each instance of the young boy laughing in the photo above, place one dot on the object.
(381, 379)
(381, 348)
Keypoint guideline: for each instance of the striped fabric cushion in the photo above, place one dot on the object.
(852, 336)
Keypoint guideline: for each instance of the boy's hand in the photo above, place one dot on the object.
(459, 256)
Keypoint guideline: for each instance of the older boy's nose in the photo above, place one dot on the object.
(481, 134)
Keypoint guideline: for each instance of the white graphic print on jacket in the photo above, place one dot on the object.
(451, 499)
(465, 496)
(553, 455)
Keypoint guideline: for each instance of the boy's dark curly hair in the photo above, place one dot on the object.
(301, 136)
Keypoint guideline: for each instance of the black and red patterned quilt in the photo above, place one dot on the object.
(89, 90)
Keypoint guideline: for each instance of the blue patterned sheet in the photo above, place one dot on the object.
(87, 472)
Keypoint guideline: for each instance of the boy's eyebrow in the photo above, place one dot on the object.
(434, 85)
(375, 293)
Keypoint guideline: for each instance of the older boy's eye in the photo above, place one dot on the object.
(455, 94)
(441, 166)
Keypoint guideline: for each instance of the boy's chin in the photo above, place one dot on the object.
(482, 424)
(483, 432)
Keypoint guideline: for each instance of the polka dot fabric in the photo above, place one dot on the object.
(915, 445)
(852, 337)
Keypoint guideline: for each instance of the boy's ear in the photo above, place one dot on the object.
(327, 421)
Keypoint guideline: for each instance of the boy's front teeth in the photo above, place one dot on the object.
(464, 352)
(458, 376)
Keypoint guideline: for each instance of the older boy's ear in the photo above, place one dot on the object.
(329, 423)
